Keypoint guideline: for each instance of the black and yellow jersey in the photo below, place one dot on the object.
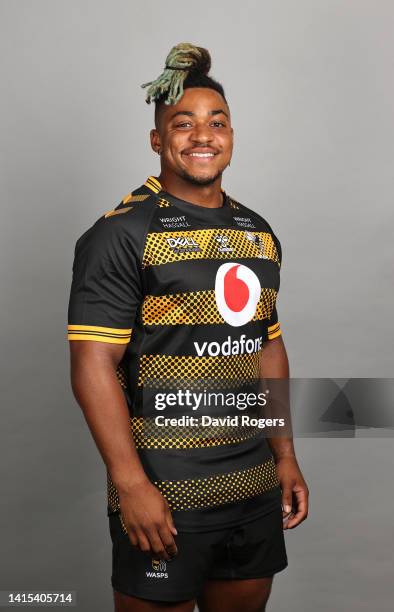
(191, 291)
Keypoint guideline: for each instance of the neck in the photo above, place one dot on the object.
(209, 196)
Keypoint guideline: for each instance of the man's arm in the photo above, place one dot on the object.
(275, 365)
(97, 390)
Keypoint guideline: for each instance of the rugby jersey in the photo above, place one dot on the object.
(191, 293)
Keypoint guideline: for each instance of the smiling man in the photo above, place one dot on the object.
(174, 297)
(190, 164)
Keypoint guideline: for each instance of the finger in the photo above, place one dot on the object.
(132, 537)
(143, 542)
(129, 530)
(168, 541)
(286, 520)
(293, 521)
(300, 514)
(157, 545)
(301, 494)
(301, 499)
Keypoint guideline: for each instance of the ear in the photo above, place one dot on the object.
(232, 139)
(155, 140)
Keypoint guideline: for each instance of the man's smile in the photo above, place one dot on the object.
(204, 155)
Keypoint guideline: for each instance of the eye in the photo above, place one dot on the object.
(219, 123)
(185, 123)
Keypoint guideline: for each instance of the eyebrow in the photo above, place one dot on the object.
(191, 114)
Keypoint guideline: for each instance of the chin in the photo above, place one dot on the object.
(201, 179)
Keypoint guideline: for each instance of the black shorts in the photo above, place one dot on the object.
(252, 550)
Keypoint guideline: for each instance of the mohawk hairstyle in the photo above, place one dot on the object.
(186, 66)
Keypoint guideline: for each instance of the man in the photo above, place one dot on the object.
(173, 296)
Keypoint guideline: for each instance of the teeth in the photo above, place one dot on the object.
(201, 154)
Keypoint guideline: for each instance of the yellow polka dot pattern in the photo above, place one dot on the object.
(112, 494)
(121, 376)
(158, 251)
(146, 434)
(204, 384)
(219, 369)
(124, 528)
(195, 308)
(214, 491)
(219, 489)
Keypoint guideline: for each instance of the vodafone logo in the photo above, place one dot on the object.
(237, 291)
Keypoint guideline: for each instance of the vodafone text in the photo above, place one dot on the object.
(230, 346)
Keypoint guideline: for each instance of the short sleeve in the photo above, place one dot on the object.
(106, 288)
(274, 329)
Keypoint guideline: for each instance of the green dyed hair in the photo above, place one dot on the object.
(186, 66)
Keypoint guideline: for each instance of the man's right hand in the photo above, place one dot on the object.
(148, 520)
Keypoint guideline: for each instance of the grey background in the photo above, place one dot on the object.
(310, 89)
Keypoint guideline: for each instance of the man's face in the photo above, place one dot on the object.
(195, 136)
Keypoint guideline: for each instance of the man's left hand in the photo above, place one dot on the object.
(295, 492)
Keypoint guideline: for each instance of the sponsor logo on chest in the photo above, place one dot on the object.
(223, 244)
(244, 222)
(183, 244)
(174, 222)
(230, 346)
(237, 292)
(258, 243)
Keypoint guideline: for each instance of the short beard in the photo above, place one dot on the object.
(202, 181)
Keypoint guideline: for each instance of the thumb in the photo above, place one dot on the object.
(170, 522)
(287, 499)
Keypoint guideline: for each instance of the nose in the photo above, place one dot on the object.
(201, 134)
